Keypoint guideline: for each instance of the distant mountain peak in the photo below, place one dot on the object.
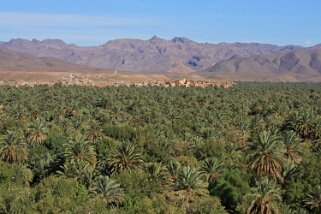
(155, 38)
(181, 40)
(19, 41)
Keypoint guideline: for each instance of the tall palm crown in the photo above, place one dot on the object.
(188, 187)
(93, 132)
(173, 168)
(109, 190)
(265, 155)
(264, 198)
(189, 179)
(37, 132)
(292, 145)
(304, 123)
(158, 173)
(12, 148)
(79, 149)
(210, 168)
(125, 158)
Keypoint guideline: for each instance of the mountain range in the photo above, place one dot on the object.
(153, 55)
(253, 61)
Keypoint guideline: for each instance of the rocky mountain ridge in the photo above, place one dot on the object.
(152, 55)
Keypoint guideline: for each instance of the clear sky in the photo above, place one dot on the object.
(93, 22)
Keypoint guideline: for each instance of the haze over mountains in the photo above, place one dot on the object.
(11, 60)
(245, 61)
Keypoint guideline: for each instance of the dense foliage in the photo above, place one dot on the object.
(252, 148)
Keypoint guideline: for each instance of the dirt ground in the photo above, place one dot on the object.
(83, 78)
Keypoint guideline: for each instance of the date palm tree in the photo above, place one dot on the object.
(158, 173)
(79, 149)
(264, 198)
(43, 165)
(232, 155)
(290, 171)
(172, 115)
(173, 167)
(210, 168)
(12, 148)
(189, 179)
(37, 132)
(79, 170)
(292, 145)
(188, 187)
(304, 123)
(25, 174)
(93, 132)
(109, 190)
(125, 158)
(265, 154)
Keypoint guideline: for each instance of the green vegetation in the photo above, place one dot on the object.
(252, 148)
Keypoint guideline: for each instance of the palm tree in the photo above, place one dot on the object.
(79, 149)
(290, 171)
(158, 173)
(190, 180)
(66, 126)
(304, 123)
(12, 148)
(79, 170)
(188, 187)
(43, 165)
(265, 155)
(313, 200)
(25, 174)
(172, 115)
(264, 198)
(37, 132)
(292, 144)
(173, 168)
(93, 132)
(109, 190)
(242, 124)
(125, 158)
(232, 155)
(210, 168)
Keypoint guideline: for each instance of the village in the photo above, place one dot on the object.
(100, 80)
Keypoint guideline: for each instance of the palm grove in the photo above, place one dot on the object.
(252, 148)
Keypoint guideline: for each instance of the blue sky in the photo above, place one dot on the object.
(93, 22)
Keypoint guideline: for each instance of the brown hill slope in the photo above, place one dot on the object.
(304, 64)
(16, 61)
(180, 68)
(155, 54)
